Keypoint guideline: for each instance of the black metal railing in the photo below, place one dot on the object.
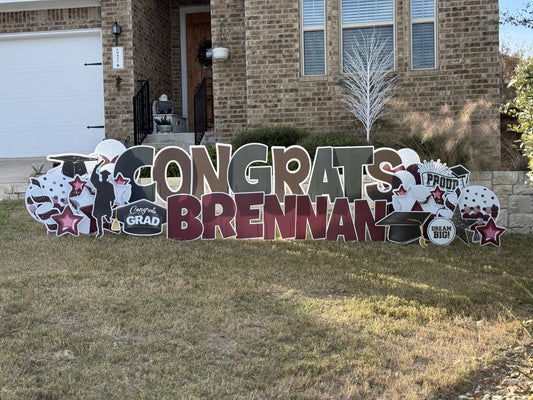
(203, 109)
(142, 113)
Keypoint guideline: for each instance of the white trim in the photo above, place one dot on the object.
(183, 46)
(26, 35)
(27, 5)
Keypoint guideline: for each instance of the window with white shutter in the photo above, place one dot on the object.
(423, 34)
(313, 37)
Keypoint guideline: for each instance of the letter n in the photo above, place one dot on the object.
(365, 220)
(305, 215)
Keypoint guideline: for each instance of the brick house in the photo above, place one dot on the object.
(285, 61)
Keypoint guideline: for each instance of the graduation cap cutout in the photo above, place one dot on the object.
(461, 173)
(72, 163)
(404, 226)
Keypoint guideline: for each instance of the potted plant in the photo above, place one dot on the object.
(164, 125)
(220, 54)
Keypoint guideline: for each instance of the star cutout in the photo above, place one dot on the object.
(400, 191)
(437, 195)
(461, 225)
(490, 233)
(77, 185)
(120, 180)
(67, 222)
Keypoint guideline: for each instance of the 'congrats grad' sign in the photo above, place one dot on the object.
(356, 193)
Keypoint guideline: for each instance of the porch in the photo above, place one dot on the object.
(169, 41)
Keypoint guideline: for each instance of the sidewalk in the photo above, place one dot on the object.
(15, 174)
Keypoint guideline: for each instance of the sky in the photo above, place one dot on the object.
(514, 36)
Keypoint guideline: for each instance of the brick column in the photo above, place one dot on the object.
(118, 100)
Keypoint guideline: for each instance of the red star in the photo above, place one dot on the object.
(437, 195)
(77, 185)
(400, 191)
(490, 233)
(67, 222)
(120, 180)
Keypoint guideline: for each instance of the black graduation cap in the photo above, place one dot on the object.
(461, 173)
(72, 163)
(404, 226)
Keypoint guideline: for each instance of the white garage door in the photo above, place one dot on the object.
(48, 97)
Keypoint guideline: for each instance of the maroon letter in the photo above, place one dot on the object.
(273, 214)
(305, 215)
(182, 217)
(341, 222)
(222, 217)
(365, 219)
(245, 214)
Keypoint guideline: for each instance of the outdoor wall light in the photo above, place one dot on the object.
(117, 30)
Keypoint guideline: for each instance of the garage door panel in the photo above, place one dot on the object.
(49, 96)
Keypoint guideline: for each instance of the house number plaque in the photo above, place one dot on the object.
(118, 57)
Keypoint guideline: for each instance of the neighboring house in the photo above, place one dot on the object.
(285, 63)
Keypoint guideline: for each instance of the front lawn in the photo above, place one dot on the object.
(126, 317)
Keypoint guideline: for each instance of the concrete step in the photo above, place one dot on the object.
(212, 137)
(181, 139)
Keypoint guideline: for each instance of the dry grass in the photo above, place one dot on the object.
(151, 318)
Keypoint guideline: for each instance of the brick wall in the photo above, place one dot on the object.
(262, 83)
(118, 100)
(229, 78)
(152, 45)
(49, 20)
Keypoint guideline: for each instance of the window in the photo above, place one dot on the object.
(423, 33)
(367, 18)
(314, 54)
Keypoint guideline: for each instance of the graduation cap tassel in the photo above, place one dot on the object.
(115, 226)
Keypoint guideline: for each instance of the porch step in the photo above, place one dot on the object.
(181, 139)
(211, 137)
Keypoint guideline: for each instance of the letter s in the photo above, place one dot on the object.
(387, 182)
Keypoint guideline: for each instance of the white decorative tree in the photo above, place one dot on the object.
(368, 83)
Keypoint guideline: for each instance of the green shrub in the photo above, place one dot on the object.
(523, 82)
(271, 135)
(335, 138)
(173, 170)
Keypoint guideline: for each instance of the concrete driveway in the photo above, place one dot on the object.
(15, 172)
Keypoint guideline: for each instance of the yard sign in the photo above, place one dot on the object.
(357, 193)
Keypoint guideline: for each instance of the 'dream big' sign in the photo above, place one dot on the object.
(355, 193)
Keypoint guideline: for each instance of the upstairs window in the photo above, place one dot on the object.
(367, 19)
(423, 33)
(313, 41)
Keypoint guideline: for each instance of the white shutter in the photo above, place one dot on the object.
(313, 12)
(314, 63)
(423, 9)
(361, 11)
(424, 45)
